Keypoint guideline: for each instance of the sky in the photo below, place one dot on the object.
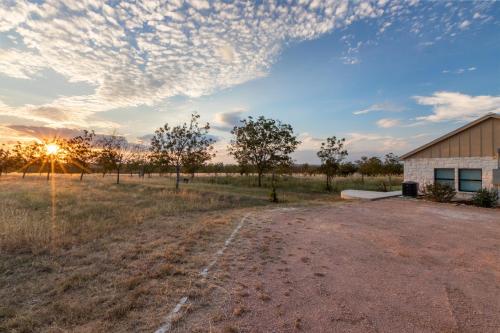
(386, 75)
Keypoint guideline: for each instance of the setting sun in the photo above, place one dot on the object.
(51, 148)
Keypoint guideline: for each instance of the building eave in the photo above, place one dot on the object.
(446, 136)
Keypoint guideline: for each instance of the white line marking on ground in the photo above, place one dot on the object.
(167, 325)
(228, 241)
(168, 319)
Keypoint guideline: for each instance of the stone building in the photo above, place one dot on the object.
(467, 158)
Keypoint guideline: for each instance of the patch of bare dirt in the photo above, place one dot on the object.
(385, 266)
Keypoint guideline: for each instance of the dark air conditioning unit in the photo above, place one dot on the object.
(410, 189)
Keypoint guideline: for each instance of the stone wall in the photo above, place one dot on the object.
(421, 170)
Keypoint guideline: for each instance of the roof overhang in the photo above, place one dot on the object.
(446, 136)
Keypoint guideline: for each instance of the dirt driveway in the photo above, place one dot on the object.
(386, 266)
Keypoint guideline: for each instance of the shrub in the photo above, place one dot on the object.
(273, 196)
(439, 192)
(382, 187)
(485, 198)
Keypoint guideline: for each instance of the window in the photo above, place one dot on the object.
(470, 180)
(445, 177)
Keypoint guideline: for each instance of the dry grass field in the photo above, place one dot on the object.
(90, 256)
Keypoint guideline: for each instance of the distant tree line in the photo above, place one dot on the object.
(259, 146)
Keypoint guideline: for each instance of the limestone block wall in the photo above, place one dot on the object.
(421, 170)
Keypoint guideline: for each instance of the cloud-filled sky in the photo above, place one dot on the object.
(386, 75)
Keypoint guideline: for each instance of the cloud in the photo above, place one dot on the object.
(20, 64)
(145, 139)
(42, 132)
(459, 70)
(142, 52)
(351, 54)
(309, 142)
(13, 13)
(373, 142)
(388, 122)
(225, 121)
(62, 112)
(457, 106)
(464, 25)
(387, 107)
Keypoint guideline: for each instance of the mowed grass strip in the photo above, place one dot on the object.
(304, 184)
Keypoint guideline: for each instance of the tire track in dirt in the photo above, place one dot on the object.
(356, 267)
(464, 315)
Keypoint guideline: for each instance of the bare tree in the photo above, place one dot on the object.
(179, 143)
(263, 143)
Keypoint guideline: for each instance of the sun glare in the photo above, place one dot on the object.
(51, 148)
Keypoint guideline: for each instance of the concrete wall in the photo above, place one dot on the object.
(421, 170)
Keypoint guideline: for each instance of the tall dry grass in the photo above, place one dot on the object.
(32, 220)
(83, 211)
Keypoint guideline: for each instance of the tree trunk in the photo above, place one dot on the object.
(259, 176)
(390, 182)
(118, 175)
(178, 176)
(81, 176)
(274, 196)
(48, 174)
(24, 173)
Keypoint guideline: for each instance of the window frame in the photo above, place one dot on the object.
(436, 179)
(469, 180)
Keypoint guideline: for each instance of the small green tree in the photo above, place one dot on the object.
(114, 153)
(347, 169)
(331, 153)
(25, 155)
(6, 158)
(392, 166)
(196, 158)
(262, 143)
(369, 166)
(218, 168)
(179, 143)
